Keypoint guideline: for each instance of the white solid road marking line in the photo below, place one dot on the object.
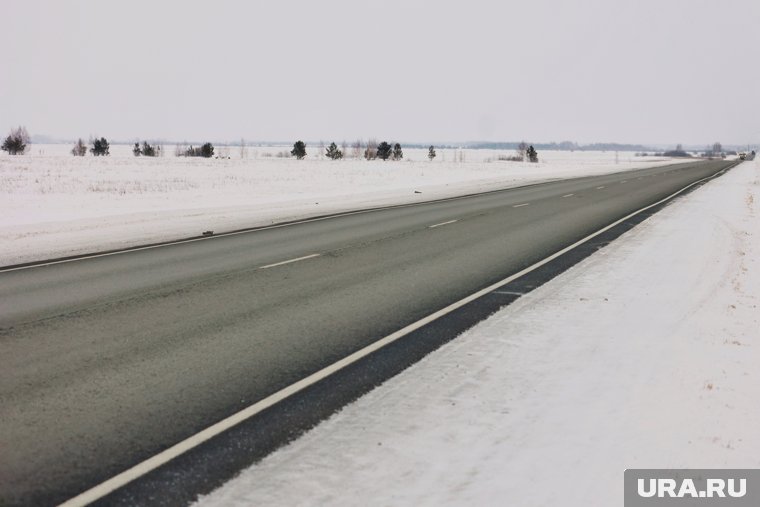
(599, 188)
(568, 195)
(289, 261)
(442, 223)
(167, 455)
(624, 181)
(521, 205)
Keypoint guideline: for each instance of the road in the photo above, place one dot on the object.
(108, 360)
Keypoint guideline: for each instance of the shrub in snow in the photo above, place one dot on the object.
(383, 151)
(16, 142)
(333, 152)
(148, 150)
(100, 147)
(397, 153)
(521, 152)
(513, 158)
(207, 151)
(299, 150)
(431, 153)
(371, 152)
(79, 149)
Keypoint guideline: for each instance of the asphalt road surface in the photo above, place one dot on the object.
(108, 360)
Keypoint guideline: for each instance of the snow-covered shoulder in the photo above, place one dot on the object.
(645, 355)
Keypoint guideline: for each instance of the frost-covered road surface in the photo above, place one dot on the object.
(645, 355)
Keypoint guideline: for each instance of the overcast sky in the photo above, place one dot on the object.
(635, 71)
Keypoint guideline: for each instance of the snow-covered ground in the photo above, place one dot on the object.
(53, 204)
(645, 355)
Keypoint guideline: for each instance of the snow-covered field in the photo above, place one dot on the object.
(645, 355)
(53, 204)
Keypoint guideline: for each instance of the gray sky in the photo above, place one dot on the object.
(638, 71)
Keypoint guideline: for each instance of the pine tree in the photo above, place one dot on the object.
(136, 150)
(333, 152)
(207, 150)
(100, 147)
(299, 150)
(431, 153)
(148, 150)
(397, 153)
(383, 151)
(15, 143)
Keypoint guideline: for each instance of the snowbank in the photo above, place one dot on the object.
(647, 354)
(53, 204)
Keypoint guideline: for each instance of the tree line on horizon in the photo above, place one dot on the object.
(373, 150)
(18, 139)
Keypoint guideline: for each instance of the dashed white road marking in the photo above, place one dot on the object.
(521, 205)
(568, 195)
(442, 223)
(599, 188)
(163, 457)
(624, 181)
(289, 261)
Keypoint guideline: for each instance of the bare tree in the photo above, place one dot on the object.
(344, 147)
(522, 150)
(79, 149)
(356, 148)
(243, 149)
(370, 153)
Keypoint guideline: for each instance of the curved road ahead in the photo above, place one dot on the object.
(108, 360)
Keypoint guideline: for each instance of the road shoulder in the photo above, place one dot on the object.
(643, 355)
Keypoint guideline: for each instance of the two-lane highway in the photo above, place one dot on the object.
(108, 360)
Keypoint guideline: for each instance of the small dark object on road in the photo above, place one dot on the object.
(417, 192)
(208, 233)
